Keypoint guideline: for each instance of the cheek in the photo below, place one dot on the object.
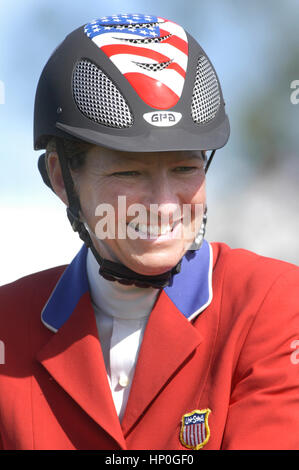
(195, 193)
(95, 198)
(200, 195)
(91, 196)
(196, 198)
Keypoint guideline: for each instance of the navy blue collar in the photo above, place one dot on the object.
(190, 290)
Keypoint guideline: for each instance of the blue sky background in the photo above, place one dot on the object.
(253, 182)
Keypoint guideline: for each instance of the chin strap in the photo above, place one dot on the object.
(209, 161)
(198, 241)
(108, 269)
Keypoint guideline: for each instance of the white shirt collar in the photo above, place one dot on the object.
(115, 299)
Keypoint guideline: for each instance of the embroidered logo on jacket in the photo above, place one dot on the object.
(195, 431)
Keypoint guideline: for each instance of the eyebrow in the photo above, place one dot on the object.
(138, 158)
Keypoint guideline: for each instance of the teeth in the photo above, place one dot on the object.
(153, 230)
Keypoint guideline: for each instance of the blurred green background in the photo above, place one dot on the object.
(253, 196)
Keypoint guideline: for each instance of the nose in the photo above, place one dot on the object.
(162, 198)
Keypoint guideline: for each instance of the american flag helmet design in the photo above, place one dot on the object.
(195, 431)
(151, 52)
(131, 82)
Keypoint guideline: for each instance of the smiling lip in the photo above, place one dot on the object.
(154, 232)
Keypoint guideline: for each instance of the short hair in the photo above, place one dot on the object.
(75, 151)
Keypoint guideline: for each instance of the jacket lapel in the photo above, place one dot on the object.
(170, 338)
(73, 356)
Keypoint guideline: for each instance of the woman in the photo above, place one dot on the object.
(151, 338)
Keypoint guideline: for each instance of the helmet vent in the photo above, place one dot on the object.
(154, 67)
(206, 94)
(98, 98)
(132, 26)
(145, 40)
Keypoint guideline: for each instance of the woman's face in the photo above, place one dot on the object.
(152, 202)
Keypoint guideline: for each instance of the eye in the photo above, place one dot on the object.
(185, 169)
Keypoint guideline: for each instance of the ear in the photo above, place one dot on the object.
(55, 175)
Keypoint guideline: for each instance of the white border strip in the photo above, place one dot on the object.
(210, 287)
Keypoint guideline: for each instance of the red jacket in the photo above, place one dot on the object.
(217, 368)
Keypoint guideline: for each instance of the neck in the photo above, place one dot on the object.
(116, 299)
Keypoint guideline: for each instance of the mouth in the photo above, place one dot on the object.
(153, 231)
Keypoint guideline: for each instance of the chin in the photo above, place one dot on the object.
(153, 267)
(146, 263)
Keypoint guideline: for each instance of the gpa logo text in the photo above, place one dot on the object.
(162, 118)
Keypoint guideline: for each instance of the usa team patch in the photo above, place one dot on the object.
(195, 431)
